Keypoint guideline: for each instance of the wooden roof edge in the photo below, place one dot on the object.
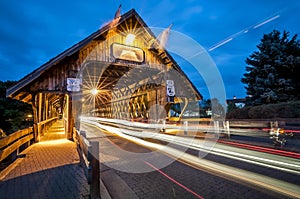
(183, 73)
(73, 49)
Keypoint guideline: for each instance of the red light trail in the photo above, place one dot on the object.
(173, 180)
(263, 149)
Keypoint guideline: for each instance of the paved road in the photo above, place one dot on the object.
(146, 178)
(48, 169)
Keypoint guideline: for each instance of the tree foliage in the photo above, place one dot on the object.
(213, 105)
(272, 74)
(12, 112)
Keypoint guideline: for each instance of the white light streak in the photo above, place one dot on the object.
(221, 44)
(244, 31)
(271, 161)
(289, 189)
(266, 21)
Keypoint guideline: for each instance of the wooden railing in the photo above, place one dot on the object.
(89, 158)
(43, 126)
(12, 143)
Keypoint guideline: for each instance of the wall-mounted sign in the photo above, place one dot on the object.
(127, 53)
(73, 84)
(170, 90)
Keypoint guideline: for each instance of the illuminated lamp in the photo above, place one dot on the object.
(94, 91)
(129, 39)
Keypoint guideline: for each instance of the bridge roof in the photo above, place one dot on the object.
(19, 89)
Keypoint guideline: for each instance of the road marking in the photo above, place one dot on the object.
(173, 180)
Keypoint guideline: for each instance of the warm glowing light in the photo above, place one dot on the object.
(94, 91)
(54, 142)
(29, 116)
(129, 39)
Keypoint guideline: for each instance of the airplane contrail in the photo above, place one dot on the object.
(220, 44)
(244, 31)
(266, 21)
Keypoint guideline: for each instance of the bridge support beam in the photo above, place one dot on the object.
(68, 117)
(35, 116)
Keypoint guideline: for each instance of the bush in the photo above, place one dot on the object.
(268, 111)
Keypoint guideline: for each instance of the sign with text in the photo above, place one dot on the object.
(128, 53)
(170, 90)
(73, 84)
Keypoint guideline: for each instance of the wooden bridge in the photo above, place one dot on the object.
(119, 71)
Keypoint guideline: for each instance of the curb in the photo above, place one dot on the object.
(103, 191)
(114, 186)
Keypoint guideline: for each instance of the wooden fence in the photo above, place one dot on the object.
(89, 158)
(10, 145)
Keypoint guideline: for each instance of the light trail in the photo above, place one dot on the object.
(264, 149)
(288, 166)
(286, 130)
(174, 181)
(261, 156)
(215, 168)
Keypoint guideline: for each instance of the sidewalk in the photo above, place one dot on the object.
(48, 169)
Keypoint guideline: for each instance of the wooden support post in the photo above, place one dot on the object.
(35, 116)
(44, 110)
(76, 102)
(40, 107)
(95, 179)
(70, 119)
(47, 107)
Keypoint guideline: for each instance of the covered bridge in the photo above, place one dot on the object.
(119, 71)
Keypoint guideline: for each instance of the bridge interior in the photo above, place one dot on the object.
(55, 132)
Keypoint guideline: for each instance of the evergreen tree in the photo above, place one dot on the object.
(273, 70)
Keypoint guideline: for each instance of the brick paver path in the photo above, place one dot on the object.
(48, 169)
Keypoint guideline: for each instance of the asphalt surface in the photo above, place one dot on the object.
(178, 179)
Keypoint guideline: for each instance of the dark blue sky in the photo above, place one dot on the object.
(32, 31)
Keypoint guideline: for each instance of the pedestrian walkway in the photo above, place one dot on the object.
(48, 169)
(55, 132)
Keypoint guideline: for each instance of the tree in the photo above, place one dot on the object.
(213, 105)
(273, 70)
(12, 112)
(231, 106)
(217, 108)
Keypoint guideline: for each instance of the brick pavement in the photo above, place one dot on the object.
(48, 169)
